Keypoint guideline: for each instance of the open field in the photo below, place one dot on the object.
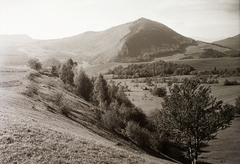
(144, 99)
(210, 63)
(199, 64)
(225, 148)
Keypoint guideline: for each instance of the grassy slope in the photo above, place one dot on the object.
(199, 48)
(31, 133)
(210, 63)
(225, 149)
(233, 42)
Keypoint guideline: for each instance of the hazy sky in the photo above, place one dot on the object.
(48, 19)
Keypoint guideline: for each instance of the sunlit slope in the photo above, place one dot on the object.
(34, 130)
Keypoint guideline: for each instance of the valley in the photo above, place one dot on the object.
(54, 110)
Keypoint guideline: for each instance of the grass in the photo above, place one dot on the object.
(30, 133)
(210, 63)
(225, 149)
(22, 143)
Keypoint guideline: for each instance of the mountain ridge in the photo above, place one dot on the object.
(232, 42)
(127, 42)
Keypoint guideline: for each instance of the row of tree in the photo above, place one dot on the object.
(151, 69)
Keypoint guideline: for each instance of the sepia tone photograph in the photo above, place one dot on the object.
(120, 82)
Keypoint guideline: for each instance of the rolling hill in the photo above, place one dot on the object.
(232, 42)
(135, 41)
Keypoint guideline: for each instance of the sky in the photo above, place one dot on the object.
(206, 20)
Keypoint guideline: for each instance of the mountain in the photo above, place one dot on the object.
(35, 128)
(232, 42)
(139, 40)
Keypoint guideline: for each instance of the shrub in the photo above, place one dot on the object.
(65, 110)
(54, 71)
(34, 64)
(135, 114)
(58, 98)
(32, 76)
(137, 134)
(97, 114)
(160, 92)
(110, 120)
(32, 89)
(227, 82)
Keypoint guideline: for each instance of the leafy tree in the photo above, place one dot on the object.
(54, 71)
(84, 85)
(34, 64)
(111, 120)
(160, 92)
(66, 72)
(137, 133)
(100, 90)
(190, 116)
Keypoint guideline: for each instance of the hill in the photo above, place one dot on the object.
(135, 41)
(34, 130)
(232, 42)
(14, 39)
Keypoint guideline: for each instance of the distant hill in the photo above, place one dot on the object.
(138, 41)
(135, 41)
(211, 53)
(232, 42)
(6, 40)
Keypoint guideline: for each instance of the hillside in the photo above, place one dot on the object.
(232, 42)
(135, 41)
(34, 130)
(14, 39)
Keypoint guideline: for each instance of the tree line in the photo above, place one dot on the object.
(151, 69)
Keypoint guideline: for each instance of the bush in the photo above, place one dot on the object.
(34, 64)
(110, 120)
(160, 92)
(54, 71)
(58, 98)
(32, 76)
(97, 114)
(32, 89)
(135, 114)
(227, 82)
(65, 110)
(137, 134)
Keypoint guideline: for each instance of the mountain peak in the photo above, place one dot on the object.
(139, 40)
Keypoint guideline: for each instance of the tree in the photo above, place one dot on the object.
(160, 92)
(54, 71)
(190, 116)
(34, 64)
(66, 72)
(100, 90)
(237, 103)
(84, 85)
